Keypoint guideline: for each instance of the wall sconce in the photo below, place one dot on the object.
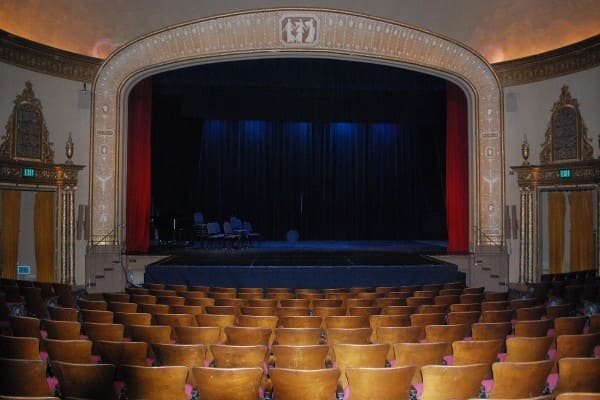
(525, 150)
(69, 149)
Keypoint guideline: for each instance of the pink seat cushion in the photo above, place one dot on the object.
(52, 383)
(551, 354)
(150, 362)
(118, 386)
(597, 351)
(393, 363)
(552, 380)
(188, 390)
(487, 384)
(419, 388)
(347, 393)
(96, 359)
(449, 359)
(43, 356)
(43, 334)
(502, 357)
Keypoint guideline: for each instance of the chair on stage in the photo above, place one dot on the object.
(294, 384)
(460, 382)
(252, 236)
(155, 383)
(379, 383)
(228, 383)
(300, 356)
(85, 381)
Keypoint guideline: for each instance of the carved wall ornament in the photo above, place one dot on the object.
(26, 136)
(566, 137)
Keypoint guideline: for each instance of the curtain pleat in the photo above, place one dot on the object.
(44, 235)
(457, 170)
(139, 168)
(11, 211)
(582, 240)
(556, 232)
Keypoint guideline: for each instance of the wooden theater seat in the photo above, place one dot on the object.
(578, 374)
(101, 316)
(441, 382)
(73, 351)
(298, 336)
(228, 356)
(188, 355)
(63, 313)
(300, 356)
(295, 384)
(99, 331)
(418, 355)
(491, 330)
(62, 330)
(23, 347)
(376, 321)
(247, 335)
(346, 321)
(399, 334)
(514, 380)
(523, 349)
(312, 321)
(359, 355)
(85, 381)
(228, 383)
(477, 352)
(25, 326)
(155, 383)
(23, 377)
(379, 383)
(220, 320)
(446, 334)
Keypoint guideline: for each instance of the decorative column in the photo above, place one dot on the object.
(66, 179)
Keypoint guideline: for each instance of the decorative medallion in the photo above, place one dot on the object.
(298, 29)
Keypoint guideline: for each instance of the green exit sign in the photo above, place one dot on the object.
(28, 172)
(564, 173)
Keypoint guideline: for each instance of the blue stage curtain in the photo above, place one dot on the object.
(328, 180)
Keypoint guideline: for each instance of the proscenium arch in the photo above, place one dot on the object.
(336, 34)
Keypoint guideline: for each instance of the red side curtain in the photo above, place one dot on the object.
(457, 170)
(138, 168)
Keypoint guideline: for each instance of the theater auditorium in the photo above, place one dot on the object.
(299, 200)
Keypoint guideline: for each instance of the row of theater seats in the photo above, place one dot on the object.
(412, 343)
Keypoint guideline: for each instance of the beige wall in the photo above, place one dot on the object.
(531, 116)
(62, 113)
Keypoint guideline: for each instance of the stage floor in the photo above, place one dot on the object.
(307, 253)
(306, 264)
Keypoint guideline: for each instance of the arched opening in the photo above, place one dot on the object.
(259, 34)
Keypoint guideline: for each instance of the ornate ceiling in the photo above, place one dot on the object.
(500, 30)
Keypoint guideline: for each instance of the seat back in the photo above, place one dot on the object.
(522, 349)
(446, 334)
(63, 313)
(461, 382)
(419, 354)
(346, 321)
(89, 381)
(477, 352)
(23, 377)
(300, 356)
(359, 355)
(347, 335)
(491, 330)
(312, 321)
(25, 326)
(578, 374)
(228, 356)
(294, 384)
(379, 383)
(533, 328)
(73, 351)
(298, 336)
(25, 348)
(155, 383)
(513, 380)
(247, 335)
(228, 383)
(99, 331)
(399, 334)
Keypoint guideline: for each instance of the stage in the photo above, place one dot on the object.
(305, 264)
